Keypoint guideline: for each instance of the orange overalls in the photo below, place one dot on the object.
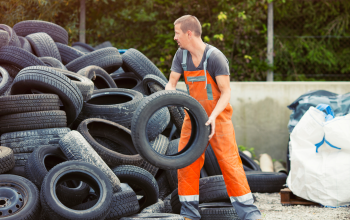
(203, 88)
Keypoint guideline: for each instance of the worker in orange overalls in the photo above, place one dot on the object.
(207, 78)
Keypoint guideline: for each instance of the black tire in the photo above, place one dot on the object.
(123, 204)
(32, 120)
(13, 38)
(7, 160)
(22, 198)
(81, 171)
(75, 147)
(172, 174)
(68, 53)
(86, 47)
(103, 45)
(49, 80)
(134, 61)
(154, 216)
(211, 189)
(25, 44)
(95, 127)
(18, 171)
(4, 38)
(28, 141)
(218, 211)
(89, 72)
(85, 85)
(128, 80)
(11, 69)
(136, 176)
(163, 185)
(56, 32)
(53, 62)
(159, 145)
(43, 45)
(196, 145)
(152, 84)
(21, 158)
(155, 208)
(213, 168)
(265, 182)
(108, 59)
(19, 57)
(117, 105)
(43, 159)
(5, 80)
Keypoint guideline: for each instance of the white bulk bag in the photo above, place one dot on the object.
(320, 157)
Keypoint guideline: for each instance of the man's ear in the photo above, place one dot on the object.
(189, 34)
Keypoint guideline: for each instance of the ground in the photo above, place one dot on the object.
(270, 206)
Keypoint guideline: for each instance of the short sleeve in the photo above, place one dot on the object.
(219, 64)
(176, 65)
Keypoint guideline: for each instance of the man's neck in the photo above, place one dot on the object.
(197, 48)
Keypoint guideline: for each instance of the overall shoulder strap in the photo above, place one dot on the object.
(206, 63)
(184, 60)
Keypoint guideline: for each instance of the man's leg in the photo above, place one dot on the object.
(188, 178)
(226, 151)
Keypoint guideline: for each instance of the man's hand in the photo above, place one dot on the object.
(211, 121)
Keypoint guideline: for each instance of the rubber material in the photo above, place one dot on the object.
(196, 146)
(265, 182)
(159, 145)
(77, 170)
(134, 61)
(75, 147)
(11, 69)
(25, 44)
(154, 216)
(95, 127)
(117, 105)
(28, 141)
(103, 45)
(7, 160)
(43, 45)
(4, 38)
(87, 47)
(56, 32)
(172, 174)
(19, 57)
(32, 120)
(31, 202)
(123, 204)
(53, 62)
(218, 210)
(49, 80)
(128, 80)
(107, 58)
(68, 53)
(13, 38)
(211, 189)
(5, 80)
(136, 176)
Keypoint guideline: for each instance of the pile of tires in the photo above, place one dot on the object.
(87, 133)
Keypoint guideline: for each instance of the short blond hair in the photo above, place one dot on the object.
(190, 22)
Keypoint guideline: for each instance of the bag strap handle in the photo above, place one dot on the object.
(328, 109)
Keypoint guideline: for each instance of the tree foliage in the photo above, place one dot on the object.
(237, 28)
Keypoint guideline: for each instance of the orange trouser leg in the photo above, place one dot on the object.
(188, 177)
(226, 151)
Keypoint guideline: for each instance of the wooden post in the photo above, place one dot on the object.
(270, 40)
(82, 21)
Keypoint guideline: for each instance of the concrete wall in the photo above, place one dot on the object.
(260, 114)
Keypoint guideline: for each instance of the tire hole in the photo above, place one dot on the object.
(2, 202)
(20, 199)
(17, 206)
(10, 211)
(0, 213)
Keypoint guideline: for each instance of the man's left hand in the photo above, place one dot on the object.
(211, 122)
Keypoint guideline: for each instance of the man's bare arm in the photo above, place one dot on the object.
(173, 79)
(223, 82)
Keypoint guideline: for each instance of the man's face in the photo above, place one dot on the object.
(180, 37)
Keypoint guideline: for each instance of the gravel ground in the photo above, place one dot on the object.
(271, 208)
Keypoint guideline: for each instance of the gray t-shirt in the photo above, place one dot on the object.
(217, 63)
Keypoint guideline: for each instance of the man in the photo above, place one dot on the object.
(207, 78)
